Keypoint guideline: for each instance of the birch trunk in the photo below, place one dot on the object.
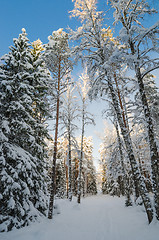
(69, 166)
(53, 176)
(152, 143)
(138, 181)
(126, 125)
(81, 160)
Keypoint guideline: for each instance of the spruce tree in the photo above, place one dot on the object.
(22, 167)
(41, 83)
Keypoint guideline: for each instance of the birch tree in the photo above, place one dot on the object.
(97, 46)
(68, 116)
(140, 42)
(87, 118)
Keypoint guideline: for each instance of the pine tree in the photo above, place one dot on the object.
(57, 54)
(61, 166)
(23, 195)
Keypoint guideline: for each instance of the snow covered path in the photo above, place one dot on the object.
(96, 218)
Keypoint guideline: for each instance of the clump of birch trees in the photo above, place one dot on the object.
(106, 57)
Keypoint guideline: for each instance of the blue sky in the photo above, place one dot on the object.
(40, 18)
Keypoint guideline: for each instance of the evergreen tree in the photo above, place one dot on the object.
(22, 166)
(88, 171)
(41, 83)
(57, 54)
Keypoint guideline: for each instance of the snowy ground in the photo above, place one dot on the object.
(96, 218)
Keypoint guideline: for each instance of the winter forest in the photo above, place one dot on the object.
(50, 185)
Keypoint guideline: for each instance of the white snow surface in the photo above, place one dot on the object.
(96, 218)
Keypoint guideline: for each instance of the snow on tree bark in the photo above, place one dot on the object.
(98, 44)
(53, 176)
(138, 58)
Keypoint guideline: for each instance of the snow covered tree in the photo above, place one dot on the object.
(41, 82)
(57, 53)
(152, 94)
(140, 42)
(61, 165)
(88, 171)
(111, 162)
(116, 169)
(68, 116)
(87, 118)
(98, 47)
(23, 196)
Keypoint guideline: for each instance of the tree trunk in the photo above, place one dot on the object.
(66, 181)
(121, 158)
(70, 168)
(125, 125)
(138, 181)
(152, 143)
(126, 189)
(53, 177)
(81, 160)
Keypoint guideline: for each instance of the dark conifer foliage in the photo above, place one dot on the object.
(23, 195)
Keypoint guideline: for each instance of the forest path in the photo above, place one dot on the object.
(96, 218)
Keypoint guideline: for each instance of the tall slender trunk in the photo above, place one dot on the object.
(138, 181)
(120, 101)
(152, 143)
(53, 177)
(126, 126)
(66, 181)
(81, 160)
(70, 167)
(126, 186)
